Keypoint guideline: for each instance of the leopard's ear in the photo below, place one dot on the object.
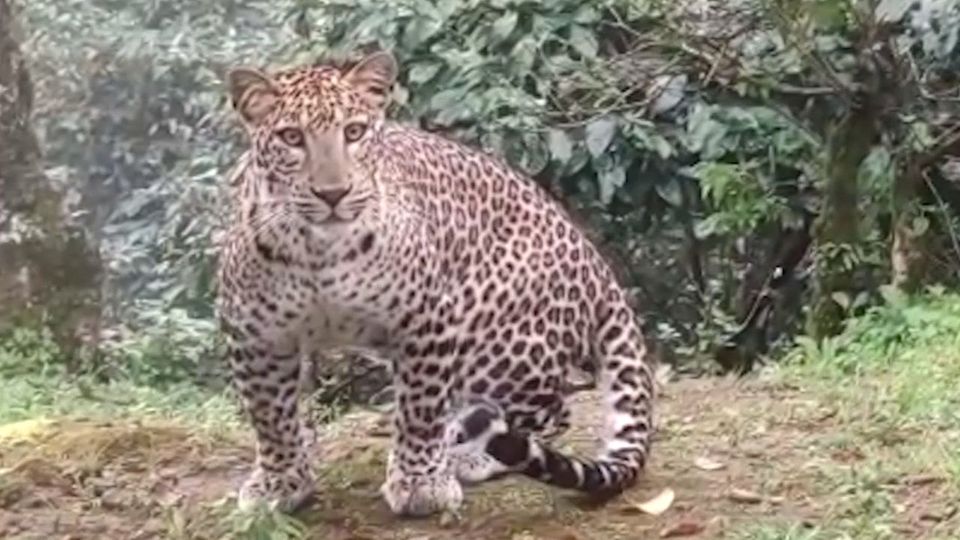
(374, 77)
(252, 93)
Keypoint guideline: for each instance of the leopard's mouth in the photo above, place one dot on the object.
(345, 212)
(328, 220)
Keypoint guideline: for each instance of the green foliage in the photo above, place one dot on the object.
(891, 382)
(153, 372)
(164, 346)
(28, 351)
(226, 521)
(682, 147)
(529, 81)
(166, 365)
(771, 532)
(132, 116)
(912, 341)
(33, 396)
(493, 72)
(546, 86)
(738, 195)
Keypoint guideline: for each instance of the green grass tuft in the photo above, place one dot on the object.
(31, 397)
(893, 380)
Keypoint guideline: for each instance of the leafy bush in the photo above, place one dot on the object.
(28, 351)
(688, 141)
(134, 120)
(132, 115)
(165, 346)
(909, 345)
(886, 333)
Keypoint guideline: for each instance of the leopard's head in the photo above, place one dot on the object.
(313, 132)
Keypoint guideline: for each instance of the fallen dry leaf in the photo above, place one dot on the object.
(707, 464)
(684, 528)
(658, 504)
(921, 480)
(744, 496)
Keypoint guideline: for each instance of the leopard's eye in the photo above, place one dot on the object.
(353, 132)
(291, 136)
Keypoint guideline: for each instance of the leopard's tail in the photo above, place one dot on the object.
(626, 382)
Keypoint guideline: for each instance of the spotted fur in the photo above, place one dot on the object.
(352, 231)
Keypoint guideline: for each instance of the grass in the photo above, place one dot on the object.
(31, 397)
(857, 438)
(893, 380)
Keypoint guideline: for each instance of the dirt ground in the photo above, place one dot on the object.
(736, 454)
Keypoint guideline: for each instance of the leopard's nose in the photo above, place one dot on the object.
(331, 196)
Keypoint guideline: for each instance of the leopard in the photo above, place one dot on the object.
(354, 231)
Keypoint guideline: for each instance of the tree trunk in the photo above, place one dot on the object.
(836, 229)
(908, 259)
(49, 271)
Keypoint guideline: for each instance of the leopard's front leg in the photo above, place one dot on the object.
(266, 373)
(419, 479)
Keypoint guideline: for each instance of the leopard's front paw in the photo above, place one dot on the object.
(285, 492)
(422, 495)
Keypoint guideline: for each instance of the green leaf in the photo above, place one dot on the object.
(893, 296)
(445, 99)
(892, 10)
(421, 73)
(451, 106)
(921, 139)
(454, 114)
(420, 30)
(583, 41)
(706, 135)
(586, 14)
(828, 14)
(504, 26)
(401, 95)
(662, 147)
(643, 136)
(536, 154)
(671, 92)
(609, 179)
(842, 299)
(877, 170)
(579, 160)
(600, 134)
(524, 54)
(707, 227)
(669, 191)
(447, 8)
(560, 146)
(861, 300)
